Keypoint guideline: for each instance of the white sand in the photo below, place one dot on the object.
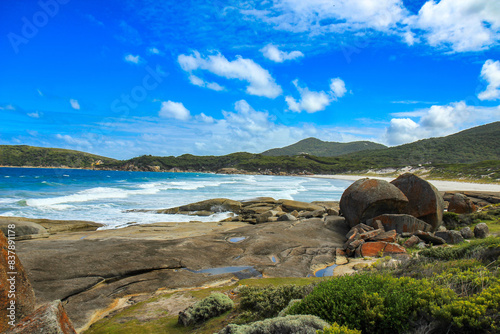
(440, 185)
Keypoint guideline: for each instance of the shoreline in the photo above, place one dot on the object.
(441, 185)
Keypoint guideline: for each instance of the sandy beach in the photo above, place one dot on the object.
(440, 185)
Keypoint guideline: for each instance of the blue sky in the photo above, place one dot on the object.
(126, 78)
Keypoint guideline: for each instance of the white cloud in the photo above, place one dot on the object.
(35, 114)
(401, 130)
(337, 86)
(154, 51)
(311, 101)
(132, 59)
(74, 104)
(260, 82)
(204, 118)
(39, 92)
(437, 121)
(197, 81)
(457, 25)
(465, 25)
(305, 16)
(74, 141)
(7, 107)
(175, 110)
(272, 52)
(491, 74)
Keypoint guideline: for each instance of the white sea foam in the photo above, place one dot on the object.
(90, 195)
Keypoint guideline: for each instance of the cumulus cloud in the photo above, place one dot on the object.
(132, 59)
(204, 118)
(272, 52)
(197, 81)
(260, 82)
(401, 130)
(174, 110)
(491, 74)
(74, 104)
(459, 25)
(311, 101)
(337, 86)
(465, 25)
(437, 121)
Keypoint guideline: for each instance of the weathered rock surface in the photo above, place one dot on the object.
(389, 236)
(212, 205)
(430, 237)
(412, 241)
(24, 296)
(401, 223)
(25, 230)
(424, 200)
(478, 198)
(460, 204)
(368, 198)
(289, 205)
(481, 231)
(89, 274)
(48, 319)
(286, 217)
(451, 237)
(54, 226)
(467, 233)
(381, 248)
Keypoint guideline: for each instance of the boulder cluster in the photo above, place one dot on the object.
(17, 300)
(257, 210)
(408, 208)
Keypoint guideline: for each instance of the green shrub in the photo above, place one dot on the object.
(267, 302)
(209, 307)
(373, 303)
(292, 324)
(466, 282)
(478, 314)
(337, 329)
(484, 249)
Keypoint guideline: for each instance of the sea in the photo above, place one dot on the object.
(107, 196)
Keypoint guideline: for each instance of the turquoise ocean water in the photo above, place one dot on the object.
(104, 196)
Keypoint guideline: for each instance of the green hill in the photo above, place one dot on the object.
(473, 153)
(321, 148)
(23, 155)
(468, 146)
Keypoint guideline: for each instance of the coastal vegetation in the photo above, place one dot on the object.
(23, 155)
(472, 154)
(453, 289)
(319, 148)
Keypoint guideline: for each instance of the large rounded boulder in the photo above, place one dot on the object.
(368, 198)
(461, 204)
(425, 201)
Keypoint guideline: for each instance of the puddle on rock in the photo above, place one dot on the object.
(237, 239)
(325, 272)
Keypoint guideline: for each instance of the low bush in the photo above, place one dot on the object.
(466, 282)
(292, 324)
(373, 303)
(478, 314)
(267, 302)
(209, 307)
(337, 329)
(486, 250)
